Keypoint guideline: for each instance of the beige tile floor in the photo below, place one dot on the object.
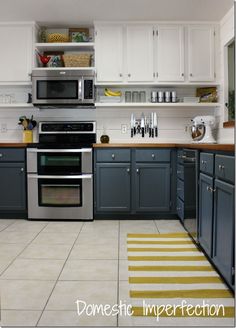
(46, 266)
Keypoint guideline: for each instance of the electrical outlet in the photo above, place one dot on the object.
(124, 128)
(3, 127)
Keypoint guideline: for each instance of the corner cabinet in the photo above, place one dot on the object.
(16, 52)
(132, 183)
(201, 53)
(13, 183)
(216, 211)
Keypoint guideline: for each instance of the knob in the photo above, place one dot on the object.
(1, 155)
(128, 170)
(203, 162)
(178, 208)
(22, 169)
(113, 156)
(191, 74)
(121, 74)
(137, 170)
(182, 74)
(153, 155)
(221, 167)
(129, 75)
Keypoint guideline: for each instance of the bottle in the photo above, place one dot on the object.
(104, 137)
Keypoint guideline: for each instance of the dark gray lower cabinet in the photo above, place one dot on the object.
(12, 187)
(205, 212)
(152, 187)
(112, 187)
(223, 229)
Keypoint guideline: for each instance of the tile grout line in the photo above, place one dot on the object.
(58, 276)
(8, 226)
(21, 251)
(156, 226)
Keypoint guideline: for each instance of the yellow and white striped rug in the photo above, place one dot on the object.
(172, 283)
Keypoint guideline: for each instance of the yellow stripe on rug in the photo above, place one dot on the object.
(154, 249)
(160, 242)
(170, 268)
(174, 280)
(158, 235)
(166, 258)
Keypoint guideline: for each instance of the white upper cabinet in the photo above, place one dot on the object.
(109, 53)
(16, 55)
(201, 53)
(139, 53)
(170, 53)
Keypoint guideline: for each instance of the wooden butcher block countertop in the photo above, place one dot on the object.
(222, 147)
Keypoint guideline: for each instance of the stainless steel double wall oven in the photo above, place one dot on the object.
(60, 172)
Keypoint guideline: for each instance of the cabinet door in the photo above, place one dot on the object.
(170, 53)
(12, 187)
(223, 231)
(201, 53)
(205, 212)
(139, 53)
(16, 53)
(109, 53)
(112, 187)
(152, 187)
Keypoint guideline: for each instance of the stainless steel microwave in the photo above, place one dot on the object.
(60, 87)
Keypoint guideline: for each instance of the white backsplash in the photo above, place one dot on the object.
(172, 122)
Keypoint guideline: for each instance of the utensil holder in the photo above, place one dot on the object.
(28, 136)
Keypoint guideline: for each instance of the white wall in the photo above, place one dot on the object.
(226, 36)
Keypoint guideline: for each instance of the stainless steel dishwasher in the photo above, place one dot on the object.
(187, 189)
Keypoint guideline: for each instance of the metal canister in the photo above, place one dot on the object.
(160, 96)
(167, 96)
(153, 96)
(173, 96)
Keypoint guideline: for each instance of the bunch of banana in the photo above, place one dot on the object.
(110, 93)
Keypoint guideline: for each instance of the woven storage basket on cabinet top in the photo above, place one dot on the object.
(81, 60)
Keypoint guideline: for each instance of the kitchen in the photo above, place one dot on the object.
(117, 163)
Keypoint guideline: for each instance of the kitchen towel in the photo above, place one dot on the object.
(167, 273)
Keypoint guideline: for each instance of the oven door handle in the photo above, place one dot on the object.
(80, 90)
(83, 176)
(36, 150)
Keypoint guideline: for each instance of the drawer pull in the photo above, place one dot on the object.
(22, 169)
(128, 170)
(221, 167)
(179, 172)
(179, 189)
(137, 170)
(153, 155)
(204, 162)
(1, 155)
(178, 208)
(210, 189)
(113, 156)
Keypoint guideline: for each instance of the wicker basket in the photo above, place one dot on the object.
(57, 37)
(82, 60)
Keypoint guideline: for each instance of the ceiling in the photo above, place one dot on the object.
(77, 12)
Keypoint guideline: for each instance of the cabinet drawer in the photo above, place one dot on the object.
(224, 167)
(180, 189)
(113, 155)
(207, 163)
(180, 171)
(152, 155)
(12, 155)
(180, 208)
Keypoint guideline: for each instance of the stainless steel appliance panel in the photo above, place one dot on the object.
(84, 212)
